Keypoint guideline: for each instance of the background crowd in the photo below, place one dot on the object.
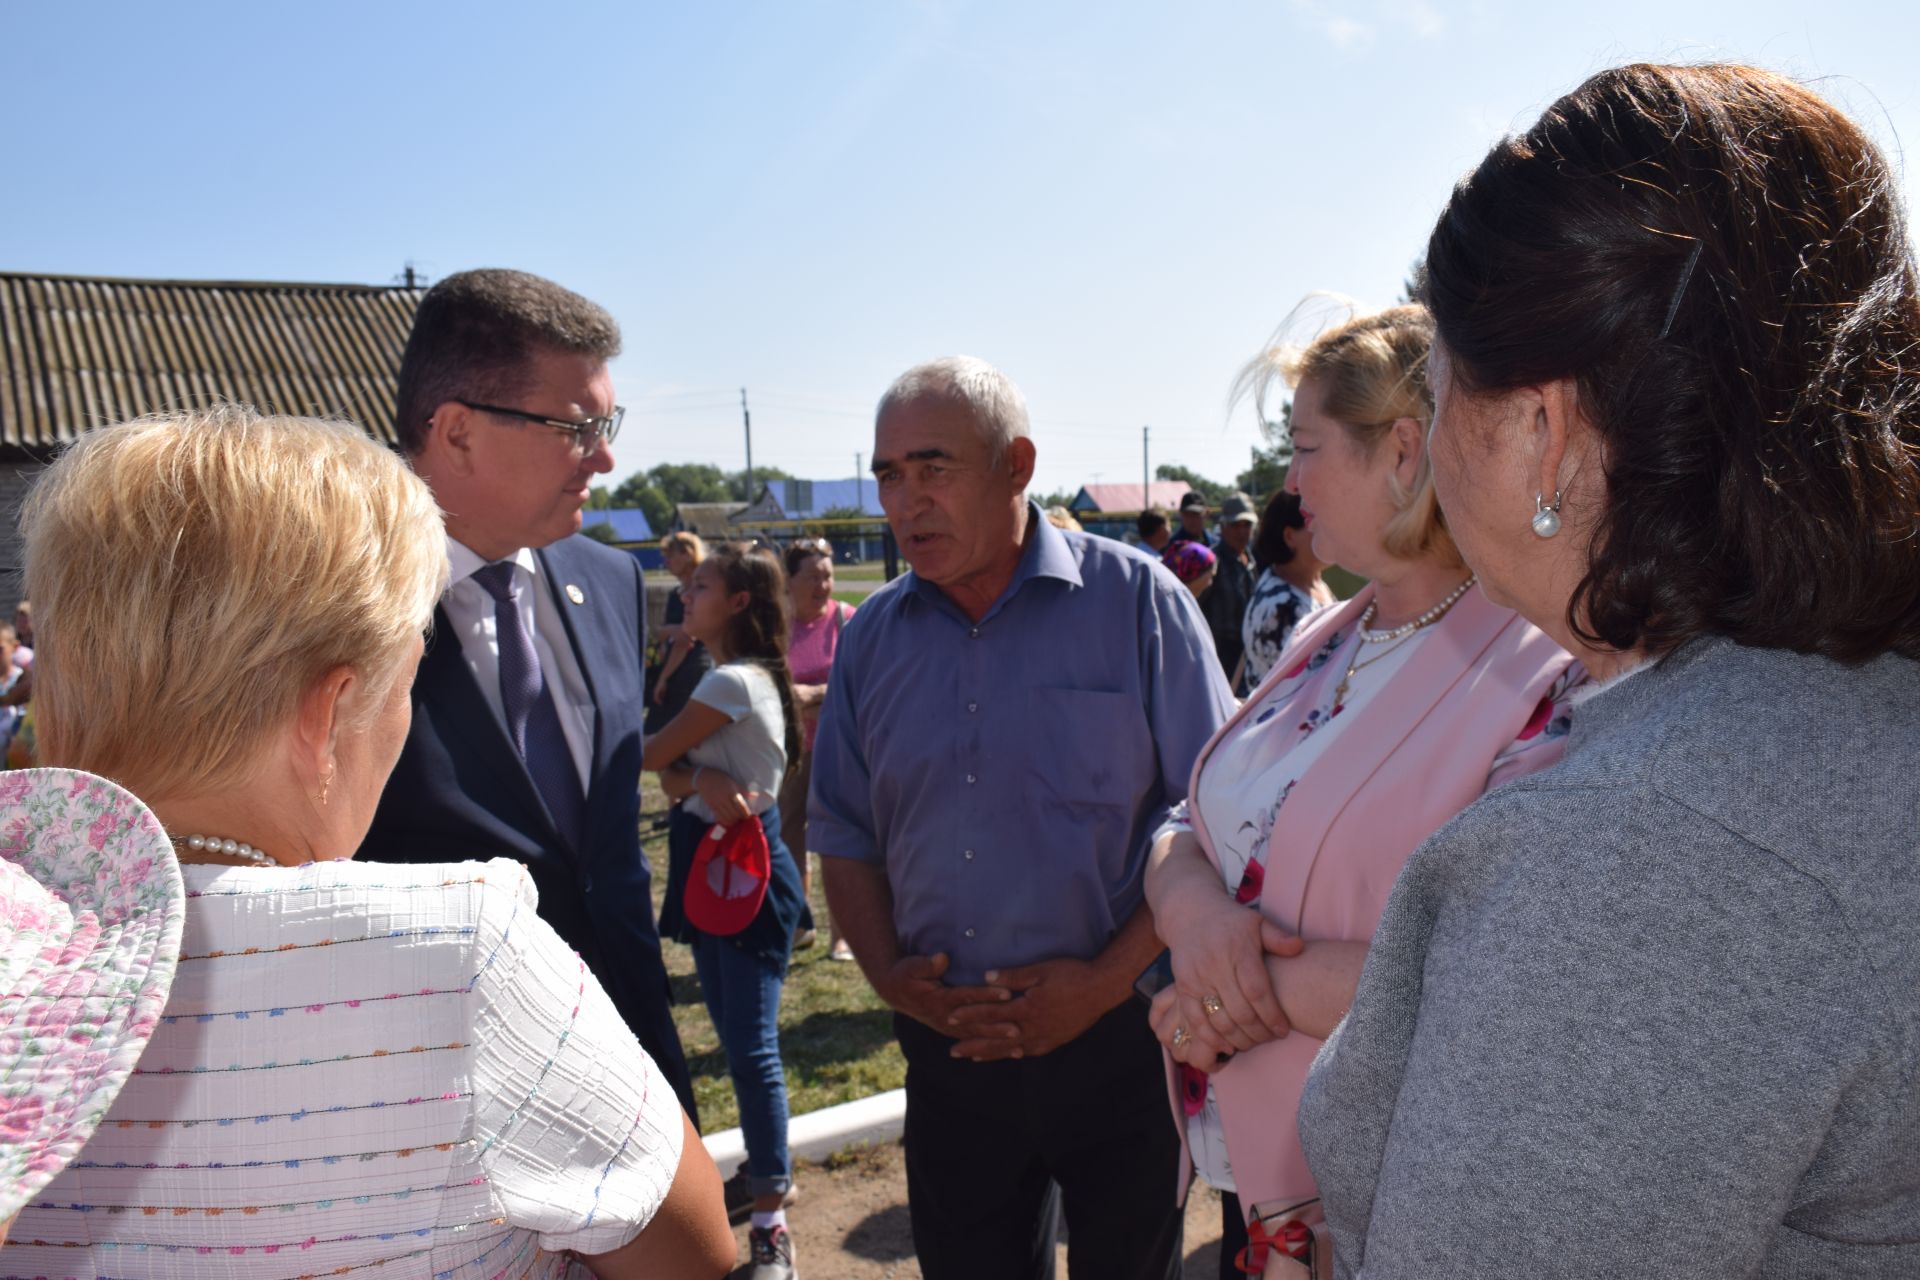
(1545, 909)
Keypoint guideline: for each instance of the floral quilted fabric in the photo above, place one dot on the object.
(91, 912)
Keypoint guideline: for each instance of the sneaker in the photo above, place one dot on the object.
(739, 1199)
(841, 951)
(804, 938)
(769, 1256)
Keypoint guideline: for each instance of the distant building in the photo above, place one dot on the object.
(629, 524)
(711, 520)
(78, 352)
(1100, 498)
(764, 508)
(809, 499)
(781, 503)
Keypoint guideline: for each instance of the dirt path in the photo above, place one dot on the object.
(851, 1222)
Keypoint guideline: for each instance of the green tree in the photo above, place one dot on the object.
(602, 532)
(638, 491)
(819, 527)
(1064, 498)
(1210, 490)
(1410, 287)
(661, 488)
(688, 482)
(845, 513)
(599, 498)
(1270, 457)
(737, 483)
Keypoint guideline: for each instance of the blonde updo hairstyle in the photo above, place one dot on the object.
(196, 573)
(1373, 372)
(688, 544)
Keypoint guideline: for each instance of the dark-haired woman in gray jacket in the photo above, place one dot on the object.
(1656, 1012)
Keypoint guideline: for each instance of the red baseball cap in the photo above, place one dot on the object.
(729, 878)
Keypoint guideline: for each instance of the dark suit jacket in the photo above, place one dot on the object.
(460, 792)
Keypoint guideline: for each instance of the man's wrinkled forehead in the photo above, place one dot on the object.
(927, 428)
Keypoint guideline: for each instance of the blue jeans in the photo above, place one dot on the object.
(743, 997)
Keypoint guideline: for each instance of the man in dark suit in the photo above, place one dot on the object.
(527, 706)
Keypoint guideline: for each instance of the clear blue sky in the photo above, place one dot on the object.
(1115, 202)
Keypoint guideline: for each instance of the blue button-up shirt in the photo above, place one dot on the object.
(1009, 774)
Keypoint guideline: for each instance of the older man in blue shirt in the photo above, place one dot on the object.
(1005, 727)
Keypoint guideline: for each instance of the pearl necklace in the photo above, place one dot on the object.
(229, 848)
(1400, 633)
(1406, 629)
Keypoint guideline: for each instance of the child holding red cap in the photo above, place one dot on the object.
(733, 888)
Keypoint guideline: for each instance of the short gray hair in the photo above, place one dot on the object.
(997, 406)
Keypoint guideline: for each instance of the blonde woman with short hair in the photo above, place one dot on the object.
(359, 1066)
(1383, 717)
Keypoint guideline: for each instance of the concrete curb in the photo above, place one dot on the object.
(818, 1134)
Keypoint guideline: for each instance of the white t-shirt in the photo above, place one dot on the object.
(752, 750)
(366, 1069)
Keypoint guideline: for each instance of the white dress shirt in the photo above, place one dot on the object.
(470, 610)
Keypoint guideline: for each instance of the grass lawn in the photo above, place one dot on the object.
(836, 1038)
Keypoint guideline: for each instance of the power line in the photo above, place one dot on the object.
(697, 391)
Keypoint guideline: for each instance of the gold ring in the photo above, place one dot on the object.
(1180, 1036)
(1212, 1004)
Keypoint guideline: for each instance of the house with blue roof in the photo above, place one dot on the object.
(813, 499)
(628, 524)
(810, 499)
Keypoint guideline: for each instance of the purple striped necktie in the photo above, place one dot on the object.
(533, 719)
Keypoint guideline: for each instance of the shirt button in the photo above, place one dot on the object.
(973, 706)
(969, 933)
(969, 855)
(974, 634)
(970, 779)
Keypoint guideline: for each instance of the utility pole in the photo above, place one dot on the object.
(1145, 490)
(859, 484)
(746, 420)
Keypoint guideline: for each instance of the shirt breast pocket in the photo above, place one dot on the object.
(1093, 748)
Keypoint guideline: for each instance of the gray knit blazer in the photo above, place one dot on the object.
(1655, 1011)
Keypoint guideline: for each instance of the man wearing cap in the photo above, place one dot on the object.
(527, 707)
(983, 798)
(1226, 605)
(1193, 520)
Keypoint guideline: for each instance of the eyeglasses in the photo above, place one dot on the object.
(586, 435)
(811, 546)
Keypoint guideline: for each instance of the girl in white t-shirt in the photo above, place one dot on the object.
(722, 760)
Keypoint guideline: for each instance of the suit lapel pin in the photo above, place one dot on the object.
(575, 594)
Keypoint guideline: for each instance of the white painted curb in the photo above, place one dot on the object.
(818, 1134)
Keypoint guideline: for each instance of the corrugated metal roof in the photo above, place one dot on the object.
(629, 524)
(1165, 494)
(800, 498)
(708, 519)
(78, 352)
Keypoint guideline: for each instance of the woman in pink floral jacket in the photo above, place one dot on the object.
(1385, 716)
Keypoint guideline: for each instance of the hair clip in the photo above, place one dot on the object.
(1679, 290)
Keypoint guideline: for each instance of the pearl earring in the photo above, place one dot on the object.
(1546, 515)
